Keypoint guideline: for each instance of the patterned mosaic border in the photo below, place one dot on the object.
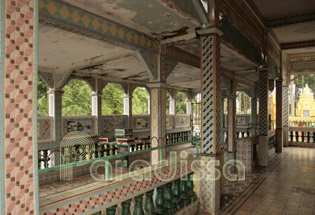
(98, 200)
(35, 119)
(2, 54)
(58, 12)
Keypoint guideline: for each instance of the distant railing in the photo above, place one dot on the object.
(301, 136)
(107, 151)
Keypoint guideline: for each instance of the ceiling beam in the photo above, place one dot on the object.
(273, 23)
(240, 79)
(296, 45)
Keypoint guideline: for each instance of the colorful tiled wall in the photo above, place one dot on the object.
(18, 75)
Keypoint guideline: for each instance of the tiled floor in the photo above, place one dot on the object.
(288, 187)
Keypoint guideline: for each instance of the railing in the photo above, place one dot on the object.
(301, 136)
(101, 150)
(108, 151)
(170, 198)
(177, 137)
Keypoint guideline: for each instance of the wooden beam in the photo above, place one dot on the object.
(274, 23)
(298, 45)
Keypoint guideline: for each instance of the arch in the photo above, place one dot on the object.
(76, 98)
(140, 101)
(181, 103)
(42, 101)
(112, 99)
(243, 103)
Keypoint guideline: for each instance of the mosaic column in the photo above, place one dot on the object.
(279, 111)
(158, 119)
(231, 129)
(254, 115)
(55, 111)
(285, 115)
(211, 123)
(263, 147)
(18, 107)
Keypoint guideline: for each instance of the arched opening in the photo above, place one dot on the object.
(42, 101)
(112, 100)
(243, 103)
(180, 103)
(76, 98)
(140, 101)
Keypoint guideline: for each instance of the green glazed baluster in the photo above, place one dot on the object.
(183, 189)
(190, 185)
(168, 196)
(149, 206)
(176, 195)
(125, 207)
(111, 210)
(159, 201)
(138, 206)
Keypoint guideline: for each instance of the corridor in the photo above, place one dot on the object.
(288, 188)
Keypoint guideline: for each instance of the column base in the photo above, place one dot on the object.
(279, 140)
(210, 189)
(263, 151)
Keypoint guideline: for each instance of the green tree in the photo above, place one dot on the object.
(308, 79)
(42, 105)
(112, 100)
(180, 103)
(140, 101)
(167, 102)
(76, 99)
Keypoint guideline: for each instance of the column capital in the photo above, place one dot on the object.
(209, 31)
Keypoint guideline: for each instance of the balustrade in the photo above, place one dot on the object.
(170, 198)
(301, 135)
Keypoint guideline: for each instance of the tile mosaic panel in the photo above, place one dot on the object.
(245, 153)
(19, 82)
(44, 128)
(58, 12)
(211, 93)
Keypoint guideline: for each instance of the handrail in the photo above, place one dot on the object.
(107, 158)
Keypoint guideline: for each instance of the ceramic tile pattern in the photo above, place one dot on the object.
(19, 42)
(97, 196)
(288, 190)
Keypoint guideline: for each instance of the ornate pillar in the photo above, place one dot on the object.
(18, 107)
(279, 111)
(128, 107)
(188, 106)
(97, 105)
(263, 147)
(172, 109)
(211, 112)
(158, 118)
(231, 127)
(285, 115)
(55, 111)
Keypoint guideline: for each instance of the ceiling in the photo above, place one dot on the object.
(292, 21)
(158, 18)
(271, 9)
